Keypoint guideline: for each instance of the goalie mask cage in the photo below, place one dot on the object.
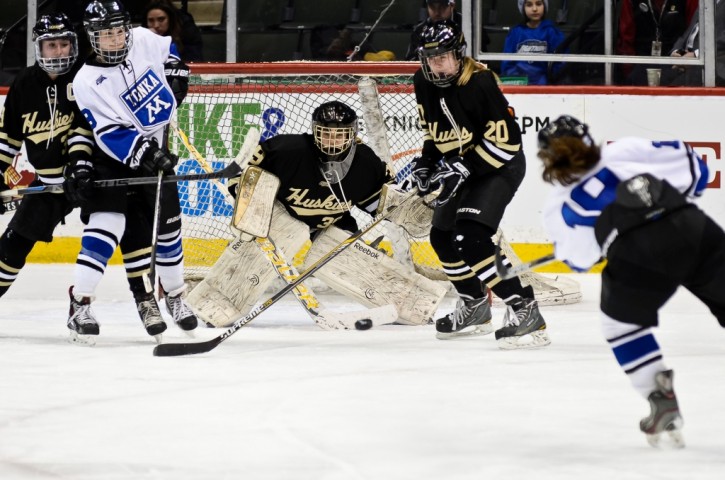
(226, 100)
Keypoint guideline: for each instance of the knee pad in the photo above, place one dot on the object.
(472, 241)
(14, 249)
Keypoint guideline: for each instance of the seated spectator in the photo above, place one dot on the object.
(328, 42)
(165, 19)
(535, 34)
(438, 10)
(688, 45)
(650, 28)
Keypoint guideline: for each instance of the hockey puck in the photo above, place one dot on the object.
(364, 324)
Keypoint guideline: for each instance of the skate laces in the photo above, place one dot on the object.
(514, 316)
(461, 312)
(149, 310)
(179, 309)
(464, 310)
(82, 314)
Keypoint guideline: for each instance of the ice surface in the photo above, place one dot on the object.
(282, 399)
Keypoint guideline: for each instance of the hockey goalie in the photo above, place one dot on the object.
(301, 187)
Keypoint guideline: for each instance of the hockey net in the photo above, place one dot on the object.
(226, 100)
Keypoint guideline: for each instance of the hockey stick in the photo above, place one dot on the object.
(229, 171)
(506, 273)
(157, 217)
(323, 318)
(176, 349)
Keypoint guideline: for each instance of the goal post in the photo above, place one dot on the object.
(226, 100)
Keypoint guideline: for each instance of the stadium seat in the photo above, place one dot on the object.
(401, 14)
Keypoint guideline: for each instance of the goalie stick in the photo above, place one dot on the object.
(176, 349)
(507, 272)
(288, 273)
(229, 171)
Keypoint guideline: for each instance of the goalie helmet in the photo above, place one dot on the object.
(55, 27)
(564, 126)
(438, 40)
(108, 26)
(334, 127)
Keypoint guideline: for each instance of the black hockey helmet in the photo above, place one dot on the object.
(564, 126)
(438, 39)
(101, 20)
(334, 127)
(55, 27)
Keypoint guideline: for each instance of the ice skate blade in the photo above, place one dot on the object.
(159, 338)
(82, 340)
(669, 440)
(537, 339)
(476, 331)
(189, 333)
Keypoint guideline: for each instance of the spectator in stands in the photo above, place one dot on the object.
(688, 45)
(650, 28)
(328, 42)
(437, 10)
(162, 17)
(535, 34)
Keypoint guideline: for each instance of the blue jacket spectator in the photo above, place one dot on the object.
(534, 35)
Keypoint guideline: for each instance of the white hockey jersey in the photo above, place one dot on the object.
(131, 101)
(571, 211)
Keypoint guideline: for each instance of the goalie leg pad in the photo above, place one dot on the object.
(374, 279)
(242, 274)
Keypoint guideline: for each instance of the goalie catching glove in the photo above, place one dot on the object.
(451, 176)
(78, 183)
(177, 75)
(151, 159)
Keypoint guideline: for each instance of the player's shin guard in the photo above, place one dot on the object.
(639, 355)
(170, 261)
(637, 352)
(14, 249)
(100, 239)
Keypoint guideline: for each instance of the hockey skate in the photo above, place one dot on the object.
(664, 416)
(81, 320)
(523, 326)
(470, 318)
(183, 316)
(150, 315)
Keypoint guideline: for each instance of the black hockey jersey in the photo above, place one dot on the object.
(472, 120)
(305, 192)
(42, 113)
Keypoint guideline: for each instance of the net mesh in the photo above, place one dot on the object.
(219, 111)
(226, 101)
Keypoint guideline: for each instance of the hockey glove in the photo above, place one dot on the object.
(421, 169)
(451, 176)
(177, 74)
(78, 182)
(151, 159)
